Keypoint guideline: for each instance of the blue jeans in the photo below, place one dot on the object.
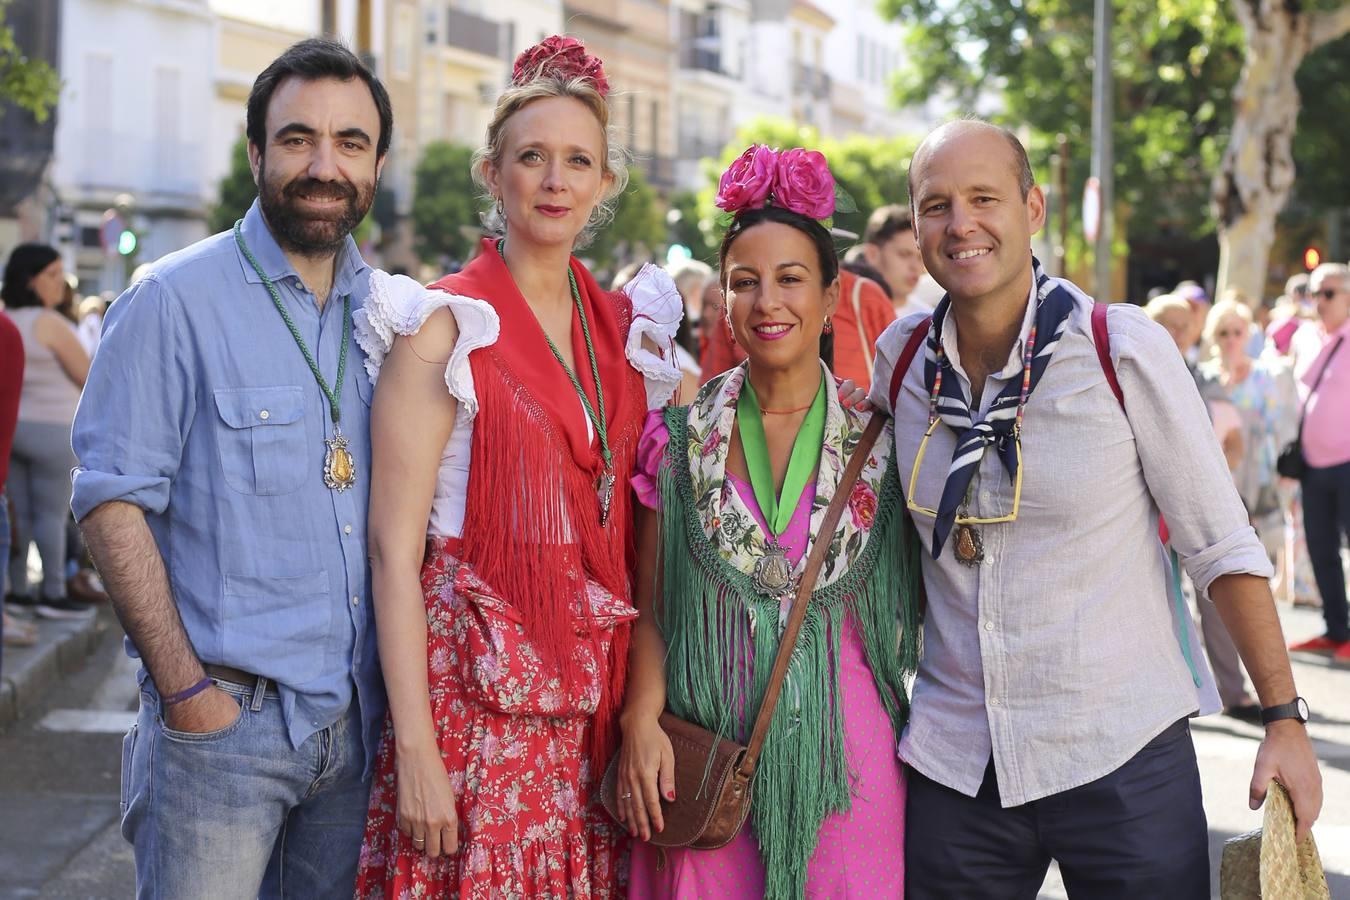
(238, 813)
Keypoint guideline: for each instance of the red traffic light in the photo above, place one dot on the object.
(1312, 258)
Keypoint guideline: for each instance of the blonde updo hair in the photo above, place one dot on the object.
(1227, 308)
(1163, 304)
(517, 97)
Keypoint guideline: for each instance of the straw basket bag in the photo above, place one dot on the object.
(1265, 864)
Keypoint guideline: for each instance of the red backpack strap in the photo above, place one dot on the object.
(907, 357)
(1102, 339)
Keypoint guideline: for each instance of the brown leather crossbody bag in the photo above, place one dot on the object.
(714, 777)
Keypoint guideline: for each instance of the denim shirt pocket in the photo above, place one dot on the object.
(262, 441)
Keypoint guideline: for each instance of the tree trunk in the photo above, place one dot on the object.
(1257, 171)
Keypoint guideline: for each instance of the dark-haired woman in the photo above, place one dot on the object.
(41, 458)
(735, 486)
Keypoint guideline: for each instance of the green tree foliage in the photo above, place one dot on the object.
(1324, 128)
(446, 207)
(1175, 63)
(237, 190)
(871, 169)
(638, 229)
(691, 228)
(30, 84)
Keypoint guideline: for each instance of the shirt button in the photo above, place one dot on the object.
(346, 529)
(264, 415)
(994, 701)
(356, 601)
(988, 626)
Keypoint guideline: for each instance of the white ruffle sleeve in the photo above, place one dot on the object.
(657, 310)
(399, 305)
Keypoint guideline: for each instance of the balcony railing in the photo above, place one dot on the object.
(700, 59)
(473, 33)
(696, 147)
(119, 161)
(659, 170)
(810, 80)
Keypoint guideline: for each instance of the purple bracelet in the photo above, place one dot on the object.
(187, 694)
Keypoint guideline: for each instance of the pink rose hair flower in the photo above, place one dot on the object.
(804, 184)
(796, 179)
(747, 181)
(559, 57)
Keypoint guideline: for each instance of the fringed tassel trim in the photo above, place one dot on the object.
(532, 530)
(722, 638)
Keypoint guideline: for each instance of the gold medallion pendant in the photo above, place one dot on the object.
(969, 545)
(339, 470)
(773, 572)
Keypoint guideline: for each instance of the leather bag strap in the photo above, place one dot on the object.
(819, 547)
(1317, 383)
(907, 355)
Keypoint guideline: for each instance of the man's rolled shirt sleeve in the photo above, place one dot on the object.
(1182, 461)
(137, 405)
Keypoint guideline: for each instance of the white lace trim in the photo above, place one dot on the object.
(657, 310)
(399, 305)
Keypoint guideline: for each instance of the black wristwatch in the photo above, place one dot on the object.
(1298, 709)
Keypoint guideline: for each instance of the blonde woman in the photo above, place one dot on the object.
(509, 402)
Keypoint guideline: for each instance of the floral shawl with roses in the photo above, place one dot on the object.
(722, 634)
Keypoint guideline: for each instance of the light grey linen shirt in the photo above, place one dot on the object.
(1060, 655)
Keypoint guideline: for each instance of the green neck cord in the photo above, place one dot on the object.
(334, 394)
(802, 463)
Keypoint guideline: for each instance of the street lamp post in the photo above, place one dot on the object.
(1102, 114)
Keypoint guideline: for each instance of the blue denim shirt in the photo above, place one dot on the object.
(201, 410)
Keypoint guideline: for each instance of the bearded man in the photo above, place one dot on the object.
(222, 489)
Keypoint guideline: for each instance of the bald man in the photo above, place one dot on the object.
(1050, 711)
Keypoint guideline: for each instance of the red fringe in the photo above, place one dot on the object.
(532, 525)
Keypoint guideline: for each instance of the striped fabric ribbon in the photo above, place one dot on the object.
(998, 428)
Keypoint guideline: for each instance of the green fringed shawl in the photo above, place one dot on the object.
(718, 629)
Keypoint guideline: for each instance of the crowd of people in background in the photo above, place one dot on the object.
(494, 544)
(49, 335)
(1248, 356)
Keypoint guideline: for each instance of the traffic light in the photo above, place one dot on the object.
(126, 242)
(1312, 258)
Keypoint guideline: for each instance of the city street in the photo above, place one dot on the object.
(59, 783)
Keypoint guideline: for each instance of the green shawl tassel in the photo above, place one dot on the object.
(719, 630)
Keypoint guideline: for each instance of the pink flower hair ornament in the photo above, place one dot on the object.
(797, 179)
(561, 57)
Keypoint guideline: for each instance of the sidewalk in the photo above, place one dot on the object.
(28, 672)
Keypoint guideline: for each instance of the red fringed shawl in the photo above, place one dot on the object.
(532, 518)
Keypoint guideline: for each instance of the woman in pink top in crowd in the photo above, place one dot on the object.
(737, 479)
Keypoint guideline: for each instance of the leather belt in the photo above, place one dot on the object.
(235, 676)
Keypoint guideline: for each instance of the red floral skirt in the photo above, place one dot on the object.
(515, 742)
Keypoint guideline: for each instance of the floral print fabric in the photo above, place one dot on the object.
(515, 742)
(729, 524)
